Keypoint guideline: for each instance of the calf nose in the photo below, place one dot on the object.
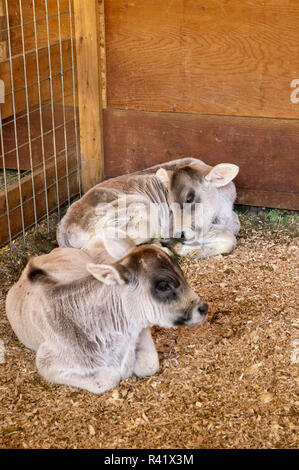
(203, 308)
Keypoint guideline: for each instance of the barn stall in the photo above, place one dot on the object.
(98, 89)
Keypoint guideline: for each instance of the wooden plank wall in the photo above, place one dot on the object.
(138, 139)
(37, 188)
(177, 61)
(43, 57)
(216, 57)
(53, 185)
(3, 44)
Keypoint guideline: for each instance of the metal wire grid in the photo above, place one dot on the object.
(11, 211)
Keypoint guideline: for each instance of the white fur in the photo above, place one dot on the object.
(85, 224)
(92, 332)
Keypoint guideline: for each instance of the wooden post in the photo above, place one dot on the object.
(89, 93)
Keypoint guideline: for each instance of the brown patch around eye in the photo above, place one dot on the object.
(163, 289)
(190, 197)
(183, 183)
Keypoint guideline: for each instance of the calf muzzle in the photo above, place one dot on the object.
(194, 316)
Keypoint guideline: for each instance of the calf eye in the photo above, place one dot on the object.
(163, 286)
(190, 197)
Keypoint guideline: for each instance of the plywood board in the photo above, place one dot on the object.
(33, 94)
(218, 57)
(3, 43)
(30, 60)
(39, 189)
(58, 60)
(41, 23)
(265, 149)
(27, 10)
(43, 142)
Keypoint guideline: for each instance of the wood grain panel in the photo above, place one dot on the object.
(31, 71)
(27, 196)
(27, 10)
(33, 95)
(31, 66)
(42, 34)
(3, 43)
(265, 149)
(64, 137)
(43, 57)
(215, 57)
(15, 32)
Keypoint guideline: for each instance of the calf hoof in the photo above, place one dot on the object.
(146, 366)
(226, 242)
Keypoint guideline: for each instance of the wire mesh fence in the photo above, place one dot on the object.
(39, 149)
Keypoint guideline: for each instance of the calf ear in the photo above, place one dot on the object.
(222, 174)
(117, 247)
(107, 273)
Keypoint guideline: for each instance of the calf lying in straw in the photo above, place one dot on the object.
(88, 322)
(185, 200)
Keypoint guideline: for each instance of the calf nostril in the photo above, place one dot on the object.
(203, 308)
(182, 235)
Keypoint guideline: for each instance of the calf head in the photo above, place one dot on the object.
(157, 292)
(195, 188)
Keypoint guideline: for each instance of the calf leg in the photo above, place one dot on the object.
(219, 240)
(147, 361)
(52, 368)
(231, 221)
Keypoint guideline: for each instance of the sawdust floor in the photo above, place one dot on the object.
(228, 384)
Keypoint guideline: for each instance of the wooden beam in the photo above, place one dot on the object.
(39, 190)
(89, 93)
(266, 150)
